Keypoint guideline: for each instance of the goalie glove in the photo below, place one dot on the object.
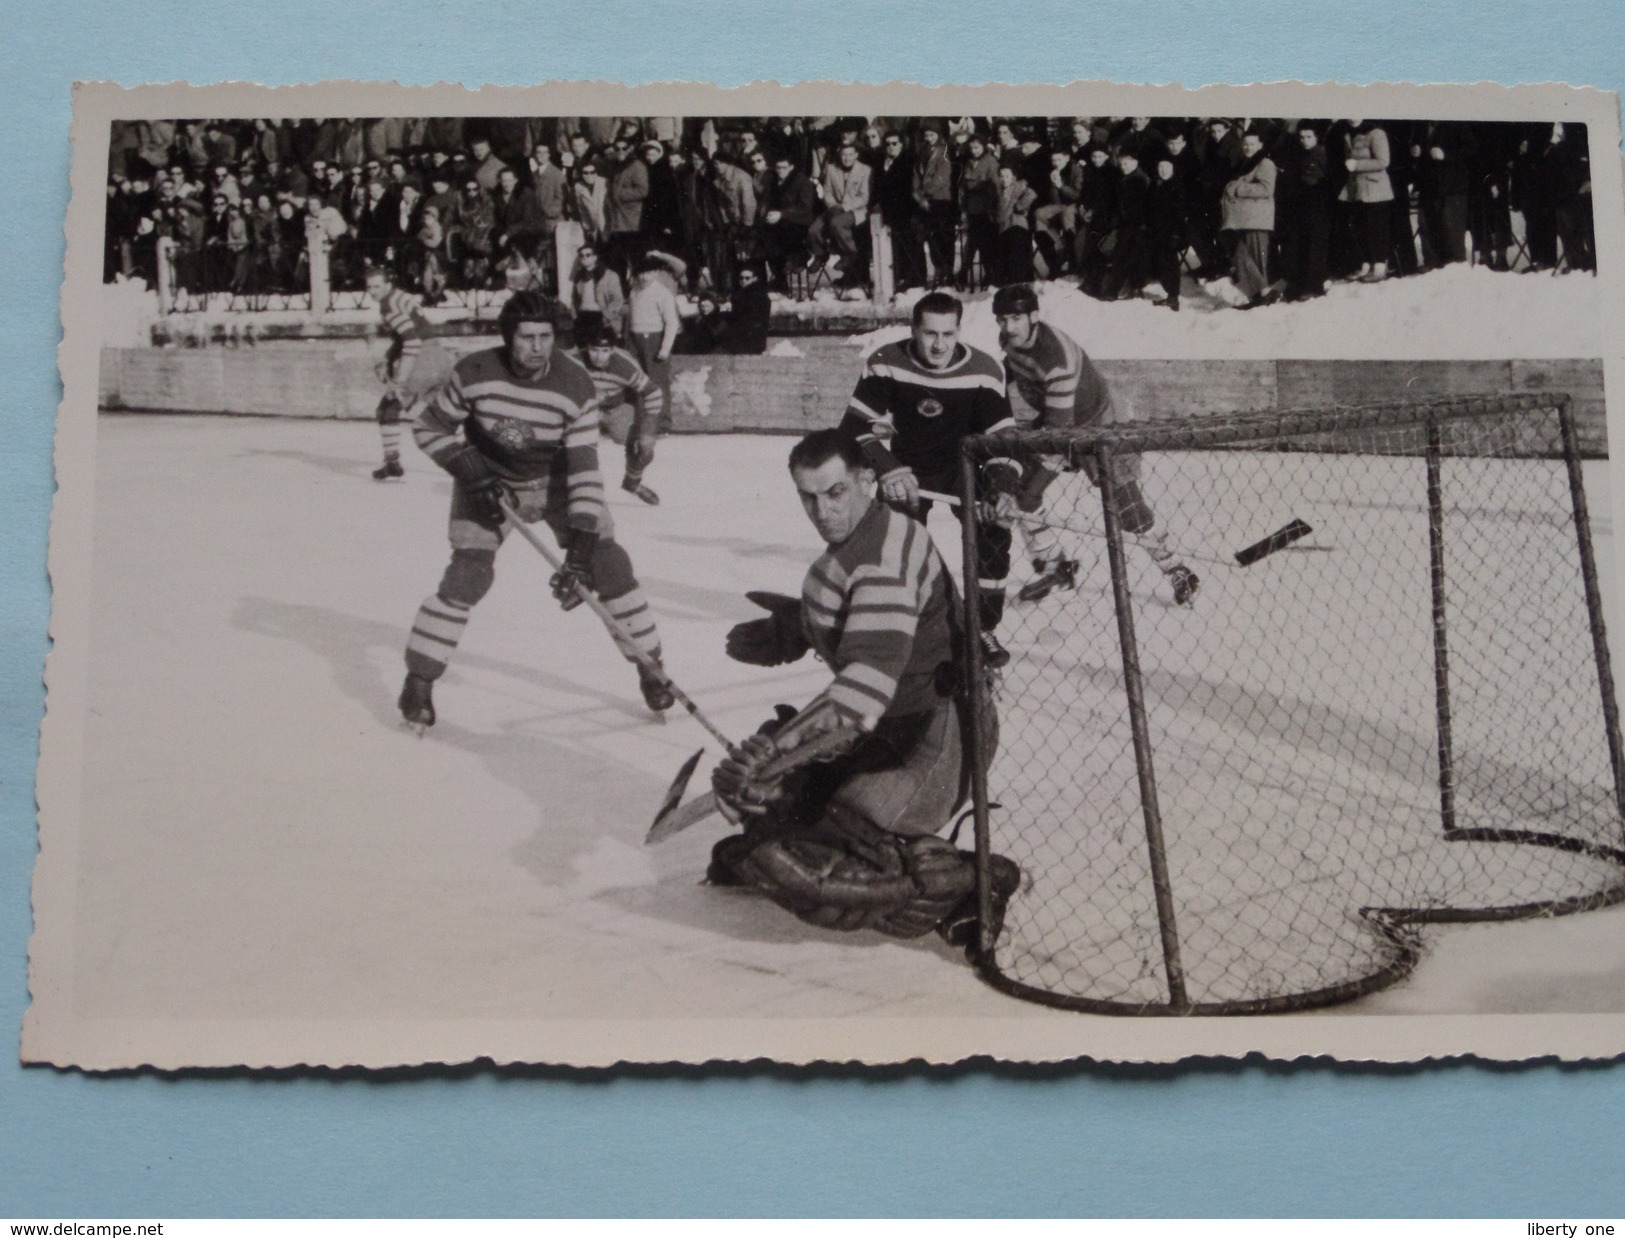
(1005, 510)
(576, 575)
(772, 641)
(749, 781)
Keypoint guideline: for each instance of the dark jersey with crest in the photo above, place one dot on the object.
(905, 414)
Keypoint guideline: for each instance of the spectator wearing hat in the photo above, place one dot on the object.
(1247, 211)
(733, 193)
(1056, 219)
(934, 196)
(653, 320)
(1443, 152)
(516, 222)
(846, 185)
(979, 208)
(750, 313)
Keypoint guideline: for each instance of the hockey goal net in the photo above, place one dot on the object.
(1404, 715)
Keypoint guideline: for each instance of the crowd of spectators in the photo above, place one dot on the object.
(1281, 207)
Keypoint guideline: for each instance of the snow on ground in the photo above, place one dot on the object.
(1459, 312)
(261, 839)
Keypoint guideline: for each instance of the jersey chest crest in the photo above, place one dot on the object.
(929, 406)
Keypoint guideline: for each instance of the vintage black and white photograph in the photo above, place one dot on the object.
(833, 573)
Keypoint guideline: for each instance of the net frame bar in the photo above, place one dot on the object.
(1396, 927)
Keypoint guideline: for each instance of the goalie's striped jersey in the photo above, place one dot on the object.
(903, 413)
(1057, 379)
(540, 428)
(623, 379)
(407, 327)
(876, 610)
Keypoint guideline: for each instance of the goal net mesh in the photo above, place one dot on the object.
(1318, 794)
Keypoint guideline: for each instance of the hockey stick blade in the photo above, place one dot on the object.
(1278, 540)
(675, 822)
(674, 793)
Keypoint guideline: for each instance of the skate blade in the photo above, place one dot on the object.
(418, 729)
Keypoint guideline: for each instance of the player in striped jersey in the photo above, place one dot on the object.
(520, 424)
(841, 802)
(407, 371)
(1058, 381)
(621, 382)
(914, 402)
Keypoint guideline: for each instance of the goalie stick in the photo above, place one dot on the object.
(1278, 540)
(613, 624)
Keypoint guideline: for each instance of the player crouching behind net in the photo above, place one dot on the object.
(520, 424)
(846, 837)
(1058, 381)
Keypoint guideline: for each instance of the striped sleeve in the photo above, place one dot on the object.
(584, 483)
(883, 603)
(1061, 385)
(867, 421)
(438, 426)
(650, 399)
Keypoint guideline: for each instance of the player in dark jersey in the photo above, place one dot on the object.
(914, 402)
(520, 424)
(1058, 381)
(621, 382)
(408, 371)
(842, 801)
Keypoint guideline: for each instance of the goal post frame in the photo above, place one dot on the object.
(1325, 430)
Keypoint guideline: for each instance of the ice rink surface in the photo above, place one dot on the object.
(261, 839)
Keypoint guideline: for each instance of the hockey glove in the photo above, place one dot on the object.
(576, 574)
(486, 491)
(739, 782)
(640, 449)
(901, 488)
(772, 641)
(1004, 510)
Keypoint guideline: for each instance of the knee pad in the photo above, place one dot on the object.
(468, 577)
(389, 411)
(612, 571)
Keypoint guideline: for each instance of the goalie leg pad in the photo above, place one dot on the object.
(846, 873)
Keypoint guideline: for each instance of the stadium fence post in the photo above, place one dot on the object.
(321, 291)
(1593, 592)
(1441, 648)
(978, 755)
(1135, 692)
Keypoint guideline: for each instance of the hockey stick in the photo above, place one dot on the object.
(613, 624)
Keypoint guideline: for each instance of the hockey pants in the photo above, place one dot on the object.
(443, 617)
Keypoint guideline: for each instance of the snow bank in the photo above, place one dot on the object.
(1460, 312)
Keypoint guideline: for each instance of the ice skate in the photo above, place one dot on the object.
(633, 486)
(657, 693)
(417, 704)
(994, 655)
(388, 470)
(1185, 583)
(1059, 574)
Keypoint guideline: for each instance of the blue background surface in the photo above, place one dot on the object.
(1215, 1138)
